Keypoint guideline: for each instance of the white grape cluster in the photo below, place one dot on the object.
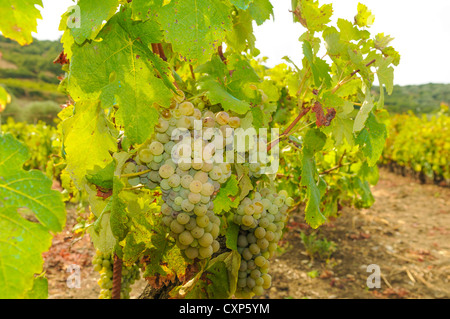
(188, 181)
(104, 265)
(261, 219)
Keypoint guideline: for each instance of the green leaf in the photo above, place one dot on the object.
(218, 280)
(39, 290)
(92, 14)
(88, 139)
(118, 216)
(145, 9)
(319, 68)
(31, 189)
(260, 10)
(195, 28)
(245, 183)
(385, 74)
(223, 202)
(103, 177)
(121, 70)
(372, 140)
(232, 233)
(364, 18)
(314, 141)
(21, 246)
(241, 4)
(241, 36)
(19, 19)
(218, 94)
(315, 17)
(363, 113)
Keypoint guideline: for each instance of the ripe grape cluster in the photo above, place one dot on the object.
(261, 218)
(185, 158)
(104, 265)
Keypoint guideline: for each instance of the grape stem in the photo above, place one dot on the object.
(137, 173)
(220, 52)
(350, 77)
(117, 278)
(289, 128)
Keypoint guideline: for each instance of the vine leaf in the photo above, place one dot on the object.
(88, 139)
(364, 18)
(223, 202)
(217, 281)
(121, 70)
(261, 10)
(372, 139)
(92, 15)
(21, 246)
(195, 28)
(31, 189)
(314, 141)
(22, 242)
(19, 19)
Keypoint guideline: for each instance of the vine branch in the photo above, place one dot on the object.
(289, 128)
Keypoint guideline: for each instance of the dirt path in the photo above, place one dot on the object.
(406, 234)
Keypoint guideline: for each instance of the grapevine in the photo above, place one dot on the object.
(171, 137)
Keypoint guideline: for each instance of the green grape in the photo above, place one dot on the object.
(202, 221)
(174, 180)
(176, 227)
(145, 155)
(222, 118)
(186, 108)
(205, 252)
(135, 181)
(186, 181)
(197, 232)
(187, 206)
(206, 240)
(183, 218)
(156, 148)
(185, 237)
(191, 252)
(195, 186)
(166, 171)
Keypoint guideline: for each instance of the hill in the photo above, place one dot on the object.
(425, 98)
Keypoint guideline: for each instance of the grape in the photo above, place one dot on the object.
(194, 198)
(206, 240)
(156, 148)
(186, 108)
(185, 237)
(189, 186)
(104, 265)
(222, 118)
(176, 227)
(205, 252)
(145, 155)
(202, 221)
(166, 171)
(261, 216)
(195, 186)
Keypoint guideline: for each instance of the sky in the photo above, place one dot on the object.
(421, 32)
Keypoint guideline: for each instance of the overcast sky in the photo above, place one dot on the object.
(421, 30)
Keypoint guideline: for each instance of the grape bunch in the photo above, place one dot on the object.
(185, 158)
(104, 265)
(261, 219)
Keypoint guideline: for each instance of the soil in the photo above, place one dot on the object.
(405, 236)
